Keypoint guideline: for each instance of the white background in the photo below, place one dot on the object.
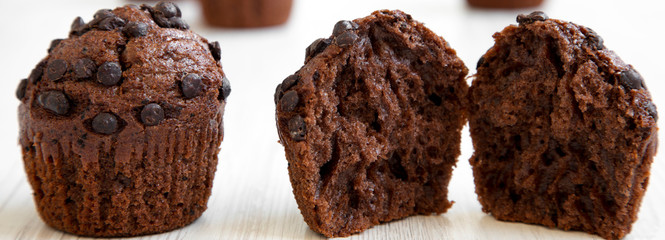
(252, 196)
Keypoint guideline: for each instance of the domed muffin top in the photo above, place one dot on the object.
(128, 66)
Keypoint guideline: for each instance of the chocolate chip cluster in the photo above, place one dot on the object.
(109, 74)
(343, 35)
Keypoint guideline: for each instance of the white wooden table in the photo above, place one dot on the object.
(252, 196)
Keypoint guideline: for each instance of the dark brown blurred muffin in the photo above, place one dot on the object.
(246, 13)
(506, 4)
(564, 131)
(371, 123)
(121, 123)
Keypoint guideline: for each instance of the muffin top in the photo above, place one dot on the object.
(131, 66)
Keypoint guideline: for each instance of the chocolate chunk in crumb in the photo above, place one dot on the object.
(167, 9)
(109, 73)
(152, 114)
(480, 62)
(37, 72)
(225, 90)
(84, 68)
(105, 123)
(631, 79)
(532, 17)
(289, 101)
(297, 128)
(594, 39)
(20, 90)
(653, 112)
(342, 26)
(56, 69)
(215, 50)
(316, 47)
(289, 82)
(54, 44)
(136, 29)
(278, 93)
(345, 39)
(191, 85)
(54, 101)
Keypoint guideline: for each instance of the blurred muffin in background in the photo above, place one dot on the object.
(504, 3)
(246, 13)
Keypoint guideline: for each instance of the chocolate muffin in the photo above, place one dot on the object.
(504, 4)
(564, 131)
(371, 123)
(246, 14)
(121, 123)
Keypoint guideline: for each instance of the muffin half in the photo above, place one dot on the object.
(371, 123)
(564, 131)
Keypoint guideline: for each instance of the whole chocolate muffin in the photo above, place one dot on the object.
(121, 123)
(246, 13)
(371, 123)
(564, 131)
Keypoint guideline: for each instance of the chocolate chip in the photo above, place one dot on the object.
(289, 101)
(191, 85)
(480, 62)
(152, 114)
(653, 112)
(343, 26)
(54, 101)
(109, 73)
(346, 39)
(56, 69)
(125, 181)
(225, 90)
(136, 29)
(54, 44)
(631, 79)
(84, 68)
(289, 82)
(37, 72)
(168, 9)
(105, 123)
(278, 93)
(178, 23)
(594, 39)
(103, 13)
(78, 27)
(297, 128)
(316, 47)
(532, 17)
(161, 21)
(111, 23)
(20, 90)
(215, 50)
(167, 15)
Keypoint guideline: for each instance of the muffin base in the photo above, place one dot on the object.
(129, 184)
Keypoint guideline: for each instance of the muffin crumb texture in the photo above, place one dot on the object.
(371, 123)
(564, 131)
